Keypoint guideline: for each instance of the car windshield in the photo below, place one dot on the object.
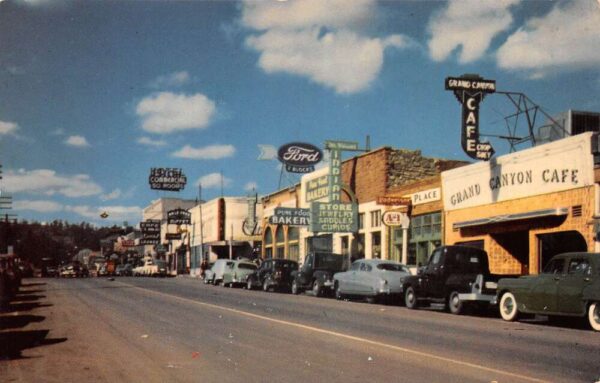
(391, 267)
(247, 266)
(329, 261)
(286, 265)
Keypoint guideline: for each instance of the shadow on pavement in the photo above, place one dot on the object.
(19, 321)
(13, 307)
(27, 298)
(33, 284)
(12, 343)
(27, 292)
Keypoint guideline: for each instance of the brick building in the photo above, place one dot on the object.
(525, 207)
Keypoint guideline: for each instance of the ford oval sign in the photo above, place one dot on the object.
(299, 157)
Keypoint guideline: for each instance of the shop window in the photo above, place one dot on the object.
(293, 234)
(279, 237)
(345, 245)
(268, 252)
(361, 221)
(376, 218)
(376, 244)
(280, 252)
(268, 243)
(294, 251)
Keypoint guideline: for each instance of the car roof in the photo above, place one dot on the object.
(379, 261)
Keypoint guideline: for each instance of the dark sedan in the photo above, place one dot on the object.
(568, 286)
(273, 274)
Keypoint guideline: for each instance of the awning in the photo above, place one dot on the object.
(513, 217)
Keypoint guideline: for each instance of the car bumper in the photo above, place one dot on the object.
(476, 297)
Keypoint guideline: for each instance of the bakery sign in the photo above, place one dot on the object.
(299, 157)
(470, 91)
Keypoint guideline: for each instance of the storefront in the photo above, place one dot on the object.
(525, 207)
(281, 239)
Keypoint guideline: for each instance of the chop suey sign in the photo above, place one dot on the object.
(470, 91)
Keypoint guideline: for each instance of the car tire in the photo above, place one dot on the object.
(338, 294)
(265, 285)
(249, 284)
(371, 299)
(317, 289)
(295, 288)
(594, 315)
(455, 305)
(508, 307)
(410, 298)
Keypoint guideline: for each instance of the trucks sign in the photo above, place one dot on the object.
(470, 91)
(170, 179)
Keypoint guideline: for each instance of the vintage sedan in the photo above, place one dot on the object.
(568, 286)
(372, 279)
(236, 273)
(273, 274)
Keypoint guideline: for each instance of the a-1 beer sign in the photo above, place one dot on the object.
(470, 91)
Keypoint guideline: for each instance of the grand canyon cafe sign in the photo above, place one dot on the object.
(470, 91)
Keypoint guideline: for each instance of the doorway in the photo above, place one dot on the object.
(555, 243)
(516, 243)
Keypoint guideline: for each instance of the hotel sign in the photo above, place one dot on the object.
(170, 179)
(558, 166)
(470, 91)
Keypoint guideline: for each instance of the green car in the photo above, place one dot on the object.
(568, 286)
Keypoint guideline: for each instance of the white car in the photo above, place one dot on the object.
(372, 279)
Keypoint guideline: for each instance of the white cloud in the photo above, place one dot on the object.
(319, 40)
(112, 195)
(48, 182)
(567, 38)
(42, 206)
(150, 142)
(213, 181)
(175, 79)
(167, 112)
(469, 25)
(77, 141)
(211, 152)
(8, 128)
(250, 186)
(115, 213)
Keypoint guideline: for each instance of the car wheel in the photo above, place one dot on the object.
(317, 288)
(295, 288)
(410, 298)
(338, 294)
(455, 305)
(594, 315)
(249, 284)
(371, 299)
(508, 307)
(266, 285)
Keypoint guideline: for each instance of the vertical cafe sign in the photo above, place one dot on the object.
(470, 91)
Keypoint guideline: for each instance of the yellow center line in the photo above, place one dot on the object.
(348, 337)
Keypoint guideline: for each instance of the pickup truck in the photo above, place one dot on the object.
(317, 272)
(453, 277)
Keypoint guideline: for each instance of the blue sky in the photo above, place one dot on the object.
(93, 94)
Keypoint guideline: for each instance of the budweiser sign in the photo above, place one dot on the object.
(299, 157)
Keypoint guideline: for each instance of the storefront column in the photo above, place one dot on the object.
(405, 245)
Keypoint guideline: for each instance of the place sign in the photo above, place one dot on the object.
(169, 179)
(470, 91)
(393, 201)
(334, 217)
(299, 157)
(290, 216)
(179, 217)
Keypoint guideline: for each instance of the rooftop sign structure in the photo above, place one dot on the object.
(169, 179)
(299, 157)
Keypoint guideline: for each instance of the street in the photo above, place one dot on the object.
(178, 329)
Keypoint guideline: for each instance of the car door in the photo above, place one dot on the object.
(306, 271)
(431, 283)
(542, 295)
(361, 278)
(264, 269)
(346, 279)
(571, 285)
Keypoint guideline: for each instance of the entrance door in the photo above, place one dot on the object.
(556, 243)
(516, 243)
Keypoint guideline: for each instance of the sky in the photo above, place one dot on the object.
(93, 94)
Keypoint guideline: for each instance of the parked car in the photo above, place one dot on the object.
(273, 274)
(68, 271)
(208, 274)
(237, 273)
(453, 277)
(317, 273)
(124, 270)
(373, 279)
(218, 269)
(569, 285)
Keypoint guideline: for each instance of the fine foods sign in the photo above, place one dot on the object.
(170, 179)
(470, 91)
(299, 157)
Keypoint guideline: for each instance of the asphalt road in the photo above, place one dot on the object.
(180, 330)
